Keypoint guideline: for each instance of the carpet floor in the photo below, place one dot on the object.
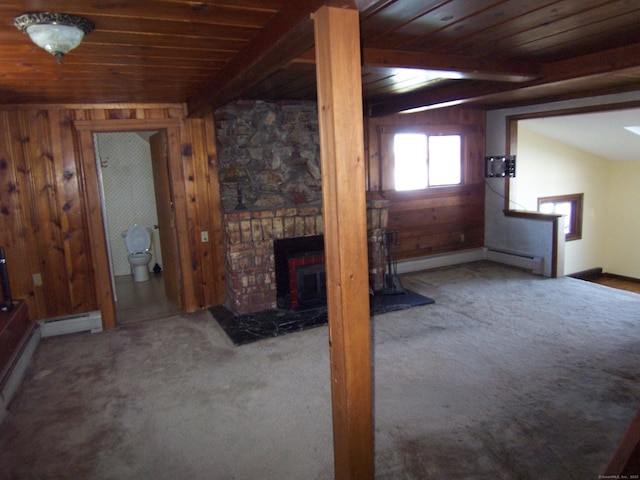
(507, 376)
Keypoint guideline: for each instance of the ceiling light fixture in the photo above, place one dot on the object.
(57, 33)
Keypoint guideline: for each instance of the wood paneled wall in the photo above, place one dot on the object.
(44, 207)
(441, 219)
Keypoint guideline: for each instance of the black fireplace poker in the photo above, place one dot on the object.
(392, 284)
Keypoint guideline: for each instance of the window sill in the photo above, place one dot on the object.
(446, 190)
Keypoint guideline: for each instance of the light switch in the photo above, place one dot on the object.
(204, 236)
(37, 280)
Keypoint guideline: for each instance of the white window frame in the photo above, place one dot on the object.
(424, 171)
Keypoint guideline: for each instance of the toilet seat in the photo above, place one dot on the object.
(137, 239)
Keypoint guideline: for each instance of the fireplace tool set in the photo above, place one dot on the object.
(392, 285)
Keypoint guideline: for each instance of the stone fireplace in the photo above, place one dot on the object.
(250, 261)
(276, 147)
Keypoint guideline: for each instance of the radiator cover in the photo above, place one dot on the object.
(91, 321)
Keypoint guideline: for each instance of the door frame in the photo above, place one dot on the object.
(84, 130)
(166, 216)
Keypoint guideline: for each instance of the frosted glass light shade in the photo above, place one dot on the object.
(55, 39)
(57, 33)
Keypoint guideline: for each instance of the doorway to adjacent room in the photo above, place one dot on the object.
(135, 188)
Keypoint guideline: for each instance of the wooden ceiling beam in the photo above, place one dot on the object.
(285, 37)
(606, 61)
(623, 60)
(360, 5)
(451, 66)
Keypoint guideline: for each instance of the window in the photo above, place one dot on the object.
(422, 160)
(570, 206)
(410, 154)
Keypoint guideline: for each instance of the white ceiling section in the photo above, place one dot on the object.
(600, 133)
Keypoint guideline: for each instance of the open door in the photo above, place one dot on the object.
(166, 217)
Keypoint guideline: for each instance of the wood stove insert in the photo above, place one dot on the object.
(300, 272)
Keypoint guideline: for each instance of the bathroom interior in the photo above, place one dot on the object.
(126, 172)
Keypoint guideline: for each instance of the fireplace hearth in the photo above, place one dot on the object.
(247, 328)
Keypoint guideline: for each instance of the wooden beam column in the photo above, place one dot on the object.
(337, 39)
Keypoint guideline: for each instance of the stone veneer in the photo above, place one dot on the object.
(277, 145)
(249, 259)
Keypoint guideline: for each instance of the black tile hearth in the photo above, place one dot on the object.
(391, 303)
(247, 328)
(251, 327)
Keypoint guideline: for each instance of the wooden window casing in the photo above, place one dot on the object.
(387, 135)
(576, 201)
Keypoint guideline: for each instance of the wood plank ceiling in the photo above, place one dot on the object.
(416, 53)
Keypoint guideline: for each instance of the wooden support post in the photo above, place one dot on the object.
(337, 40)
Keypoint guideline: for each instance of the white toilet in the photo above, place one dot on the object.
(138, 240)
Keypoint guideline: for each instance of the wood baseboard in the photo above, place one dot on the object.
(591, 274)
(621, 277)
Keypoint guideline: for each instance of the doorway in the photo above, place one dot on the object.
(586, 153)
(135, 188)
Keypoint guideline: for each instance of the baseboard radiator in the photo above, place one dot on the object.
(11, 376)
(530, 262)
(90, 321)
(437, 261)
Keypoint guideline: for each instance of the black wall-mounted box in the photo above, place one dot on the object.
(504, 166)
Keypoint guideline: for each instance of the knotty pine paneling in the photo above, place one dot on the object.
(16, 234)
(43, 208)
(47, 222)
(438, 220)
(203, 183)
(77, 254)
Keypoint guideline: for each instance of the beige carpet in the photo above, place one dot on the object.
(507, 376)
